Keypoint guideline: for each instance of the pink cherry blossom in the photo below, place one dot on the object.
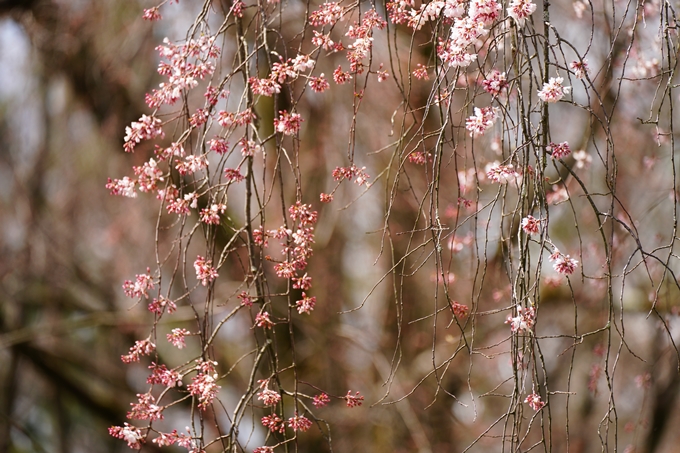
(535, 402)
(553, 91)
(558, 151)
(204, 270)
(530, 225)
(519, 10)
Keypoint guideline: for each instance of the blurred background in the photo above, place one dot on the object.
(74, 73)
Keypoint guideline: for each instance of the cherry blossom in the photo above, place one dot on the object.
(130, 434)
(140, 287)
(264, 450)
(304, 282)
(211, 215)
(501, 174)
(160, 374)
(145, 409)
(249, 147)
(524, 321)
(495, 82)
(306, 305)
(191, 164)
(354, 400)
(143, 347)
(229, 119)
(147, 128)
(319, 84)
(484, 11)
(274, 423)
(264, 87)
(269, 397)
(233, 175)
(321, 400)
(481, 121)
(327, 14)
(519, 10)
(203, 385)
(420, 72)
(558, 151)
(341, 77)
(459, 310)
(580, 68)
(158, 305)
(288, 123)
(535, 402)
(262, 320)
(204, 270)
(530, 225)
(152, 14)
(299, 423)
(149, 175)
(563, 264)
(124, 187)
(176, 337)
(553, 91)
(219, 145)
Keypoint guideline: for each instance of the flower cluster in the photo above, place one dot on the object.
(191, 164)
(262, 320)
(299, 423)
(534, 401)
(524, 321)
(161, 375)
(495, 82)
(145, 408)
(353, 400)
(211, 215)
(288, 123)
(519, 10)
(363, 39)
(563, 264)
(306, 304)
(176, 337)
(350, 173)
(321, 400)
(123, 187)
(264, 449)
(459, 310)
(204, 270)
(303, 239)
(231, 119)
(319, 84)
(143, 347)
(148, 175)
(464, 33)
(183, 65)
(580, 68)
(158, 305)
(140, 287)
(327, 14)
(530, 225)
(147, 128)
(203, 385)
(553, 91)
(267, 396)
(274, 423)
(501, 174)
(558, 151)
(481, 121)
(130, 434)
